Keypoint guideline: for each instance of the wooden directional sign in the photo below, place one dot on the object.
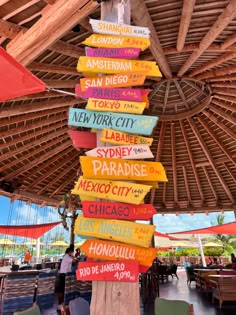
(110, 41)
(117, 190)
(114, 66)
(123, 53)
(104, 250)
(140, 124)
(83, 139)
(118, 169)
(117, 210)
(136, 95)
(108, 271)
(116, 137)
(118, 80)
(127, 152)
(115, 106)
(103, 27)
(115, 230)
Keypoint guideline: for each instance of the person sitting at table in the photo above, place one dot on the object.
(215, 261)
(77, 253)
(233, 259)
(27, 257)
(209, 261)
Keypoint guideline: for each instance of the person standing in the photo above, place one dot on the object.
(27, 257)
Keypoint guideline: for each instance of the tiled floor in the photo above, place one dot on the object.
(179, 290)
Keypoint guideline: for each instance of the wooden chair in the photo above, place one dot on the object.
(190, 275)
(172, 307)
(224, 290)
(34, 310)
(173, 271)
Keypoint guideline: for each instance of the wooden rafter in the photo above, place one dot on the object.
(68, 84)
(227, 85)
(46, 165)
(223, 20)
(40, 95)
(217, 72)
(227, 99)
(59, 176)
(230, 172)
(193, 47)
(228, 42)
(32, 136)
(166, 96)
(213, 63)
(188, 6)
(37, 161)
(38, 106)
(64, 184)
(30, 126)
(35, 198)
(186, 184)
(210, 159)
(164, 194)
(214, 119)
(184, 133)
(30, 145)
(181, 93)
(31, 154)
(230, 92)
(173, 155)
(85, 24)
(53, 169)
(50, 68)
(60, 17)
(231, 77)
(232, 107)
(141, 17)
(222, 113)
(214, 137)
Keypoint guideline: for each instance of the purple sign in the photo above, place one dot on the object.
(129, 53)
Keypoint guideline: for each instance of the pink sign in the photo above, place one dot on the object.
(83, 139)
(108, 271)
(136, 95)
(129, 53)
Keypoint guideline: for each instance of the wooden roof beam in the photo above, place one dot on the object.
(37, 161)
(228, 85)
(58, 177)
(213, 63)
(214, 137)
(68, 84)
(32, 153)
(14, 152)
(37, 107)
(166, 96)
(53, 169)
(164, 194)
(173, 154)
(223, 20)
(181, 94)
(31, 136)
(47, 164)
(51, 68)
(186, 184)
(188, 6)
(222, 113)
(54, 23)
(217, 72)
(230, 172)
(210, 159)
(64, 184)
(230, 92)
(228, 42)
(222, 78)
(85, 24)
(232, 108)
(226, 98)
(141, 17)
(184, 133)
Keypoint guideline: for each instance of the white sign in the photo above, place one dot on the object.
(103, 27)
(127, 152)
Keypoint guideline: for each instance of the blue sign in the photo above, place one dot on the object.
(138, 124)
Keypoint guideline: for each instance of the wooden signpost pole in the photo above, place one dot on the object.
(108, 297)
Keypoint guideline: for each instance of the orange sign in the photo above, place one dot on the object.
(117, 80)
(104, 250)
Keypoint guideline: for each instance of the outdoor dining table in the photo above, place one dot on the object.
(222, 276)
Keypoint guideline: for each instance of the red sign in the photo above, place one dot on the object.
(83, 139)
(108, 271)
(115, 210)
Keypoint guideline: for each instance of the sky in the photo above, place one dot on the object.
(21, 213)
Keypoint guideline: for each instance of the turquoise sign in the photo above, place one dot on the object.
(138, 124)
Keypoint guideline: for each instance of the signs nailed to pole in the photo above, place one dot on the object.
(139, 124)
(108, 271)
(117, 210)
(115, 230)
(104, 250)
(118, 169)
(103, 27)
(117, 137)
(107, 105)
(115, 66)
(118, 80)
(117, 190)
(110, 41)
(123, 152)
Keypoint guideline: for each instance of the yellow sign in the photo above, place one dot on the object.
(113, 66)
(115, 106)
(111, 41)
(113, 81)
(104, 250)
(118, 169)
(115, 230)
(117, 137)
(117, 191)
